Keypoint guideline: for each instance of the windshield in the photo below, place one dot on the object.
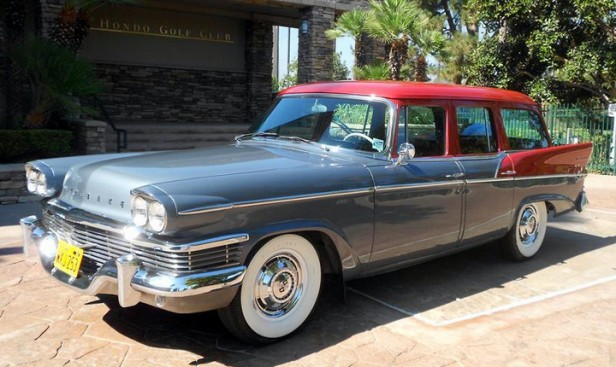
(343, 122)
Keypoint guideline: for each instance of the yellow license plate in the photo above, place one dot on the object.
(68, 258)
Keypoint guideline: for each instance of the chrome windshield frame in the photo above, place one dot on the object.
(393, 117)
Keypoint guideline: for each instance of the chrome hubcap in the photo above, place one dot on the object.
(528, 226)
(278, 286)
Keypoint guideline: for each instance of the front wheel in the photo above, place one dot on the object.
(526, 236)
(279, 291)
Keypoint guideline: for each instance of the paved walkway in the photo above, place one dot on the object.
(470, 309)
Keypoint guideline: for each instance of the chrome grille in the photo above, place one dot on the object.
(101, 246)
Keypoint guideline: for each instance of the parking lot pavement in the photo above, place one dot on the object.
(469, 309)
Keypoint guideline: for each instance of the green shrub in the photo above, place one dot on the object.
(24, 145)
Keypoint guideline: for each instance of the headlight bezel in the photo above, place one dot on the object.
(38, 181)
(153, 216)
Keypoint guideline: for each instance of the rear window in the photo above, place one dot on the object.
(524, 129)
(476, 130)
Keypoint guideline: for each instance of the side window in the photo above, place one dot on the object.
(476, 130)
(424, 127)
(524, 129)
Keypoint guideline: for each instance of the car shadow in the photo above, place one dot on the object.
(425, 286)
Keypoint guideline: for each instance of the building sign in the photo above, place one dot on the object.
(144, 36)
(162, 30)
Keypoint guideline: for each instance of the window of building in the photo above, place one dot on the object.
(424, 127)
(476, 130)
(524, 129)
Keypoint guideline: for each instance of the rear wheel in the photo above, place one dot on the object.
(278, 293)
(526, 236)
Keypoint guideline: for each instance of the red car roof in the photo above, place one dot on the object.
(411, 90)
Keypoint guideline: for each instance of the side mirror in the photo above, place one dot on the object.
(406, 152)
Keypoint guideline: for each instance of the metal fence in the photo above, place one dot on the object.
(569, 124)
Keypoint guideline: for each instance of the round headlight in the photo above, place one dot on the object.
(32, 179)
(41, 184)
(157, 216)
(139, 211)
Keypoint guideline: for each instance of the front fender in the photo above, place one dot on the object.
(350, 265)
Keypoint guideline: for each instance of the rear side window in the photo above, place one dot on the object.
(424, 127)
(476, 130)
(524, 129)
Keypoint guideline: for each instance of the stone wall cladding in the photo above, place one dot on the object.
(146, 93)
(13, 185)
(49, 12)
(316, 50)
(259, 48)
(90, 136)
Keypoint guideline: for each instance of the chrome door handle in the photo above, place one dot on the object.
(508, 173)
(455, 175)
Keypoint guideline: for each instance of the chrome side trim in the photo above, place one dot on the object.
(282, 200)
(207, 209)
(291, 199)
(210, 243)
(417, 186)
(565, 175)
(489, 180)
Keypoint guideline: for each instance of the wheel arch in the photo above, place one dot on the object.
(336, 254)
(555, 205)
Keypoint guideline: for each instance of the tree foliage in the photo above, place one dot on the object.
(408, 31)
(72, 24)
(341, 71)
(554, 50)
(56, 77)
(352, 24)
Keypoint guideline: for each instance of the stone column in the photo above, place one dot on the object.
(90, 136)
(49, 12)
(375, 51)
(259, 48)
(315, 50)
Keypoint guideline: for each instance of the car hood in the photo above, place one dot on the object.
(104, 188)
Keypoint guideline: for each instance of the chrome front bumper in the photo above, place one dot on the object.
(132, 282)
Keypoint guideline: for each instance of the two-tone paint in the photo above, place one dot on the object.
(366, 212)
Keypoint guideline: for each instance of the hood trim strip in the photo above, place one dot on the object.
(281, 200)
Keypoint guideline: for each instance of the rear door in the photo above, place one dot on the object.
(488, 195)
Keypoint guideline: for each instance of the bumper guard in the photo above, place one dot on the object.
(126, 276)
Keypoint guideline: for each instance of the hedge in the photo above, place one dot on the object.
(25, 145)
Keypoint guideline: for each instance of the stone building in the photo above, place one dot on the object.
(189, 61)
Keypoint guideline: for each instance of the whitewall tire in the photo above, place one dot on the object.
(526, 236)
(279, 291)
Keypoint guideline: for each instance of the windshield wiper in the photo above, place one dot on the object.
(262, 134)
(303, 140)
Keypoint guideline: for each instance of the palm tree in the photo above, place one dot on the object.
(353, 24)
(379, 71)
(426, 41)
(56, 77)
(73, 22)
(396, 23)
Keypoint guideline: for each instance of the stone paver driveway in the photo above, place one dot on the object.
(470, 309)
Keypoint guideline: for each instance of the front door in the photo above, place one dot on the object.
(418, 206)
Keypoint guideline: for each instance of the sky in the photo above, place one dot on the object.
(285, 34)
